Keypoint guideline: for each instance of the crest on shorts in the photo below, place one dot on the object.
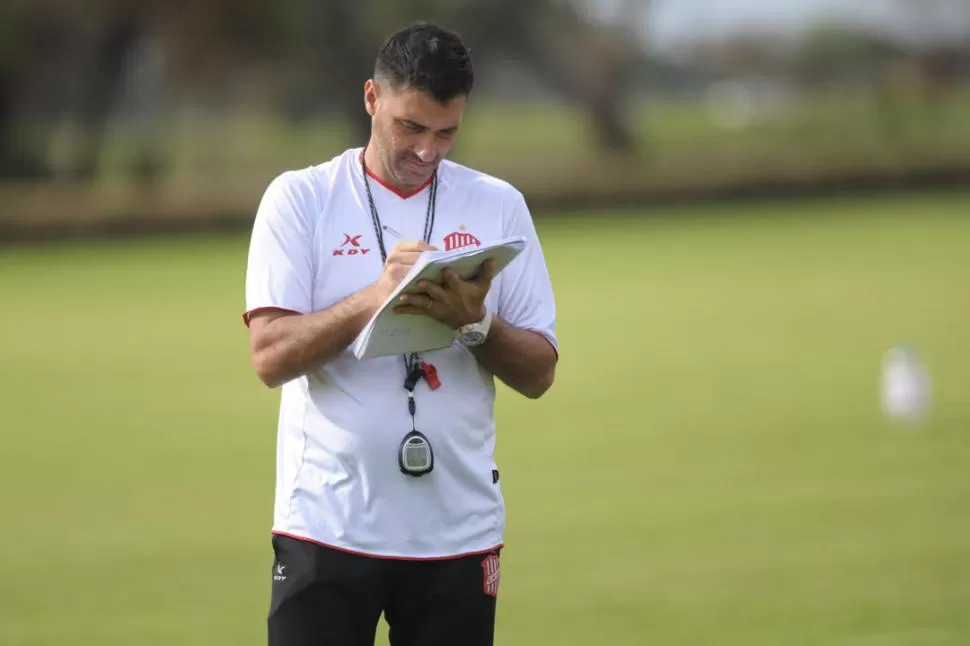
(490, 575)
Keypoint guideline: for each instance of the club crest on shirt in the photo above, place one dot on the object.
(491, 573)
(461, 238)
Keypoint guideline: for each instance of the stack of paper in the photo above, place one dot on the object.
(388, 333)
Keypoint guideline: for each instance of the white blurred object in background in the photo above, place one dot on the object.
(905, 385)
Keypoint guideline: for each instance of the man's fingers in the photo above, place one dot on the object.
(488, 269)
(433, 290)
(407, 258)
(450, 278)
(485, 273)
(415, 246)
(483, 277)
(407, 253)
(419, 301)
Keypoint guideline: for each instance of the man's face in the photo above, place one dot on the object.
(412, 131)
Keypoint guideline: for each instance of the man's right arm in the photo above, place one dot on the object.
(285, 345)
(287, 339)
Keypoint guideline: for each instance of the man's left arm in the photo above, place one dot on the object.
(521, 348)
(523, 359)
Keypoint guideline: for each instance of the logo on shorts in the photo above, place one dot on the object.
(490, 575)
(351, 246)
(278, 573)
(461, 238)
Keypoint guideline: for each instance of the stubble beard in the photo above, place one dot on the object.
(390, 163)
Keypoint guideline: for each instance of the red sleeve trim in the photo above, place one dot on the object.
(248, 315)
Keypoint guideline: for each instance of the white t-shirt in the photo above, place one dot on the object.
(340, 427)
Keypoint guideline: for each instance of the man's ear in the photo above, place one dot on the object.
(372, 93)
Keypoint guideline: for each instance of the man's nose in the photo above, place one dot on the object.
(426, 152)
(429, 148)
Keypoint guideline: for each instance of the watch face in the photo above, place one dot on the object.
(472, 338)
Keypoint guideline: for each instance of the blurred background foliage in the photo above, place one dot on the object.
(181, 110)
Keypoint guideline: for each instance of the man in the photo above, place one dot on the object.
(359, 530)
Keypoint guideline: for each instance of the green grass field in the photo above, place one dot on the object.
(711, 467)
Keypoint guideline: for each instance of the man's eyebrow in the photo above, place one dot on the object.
(414, 124)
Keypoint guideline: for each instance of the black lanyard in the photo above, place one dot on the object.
(428, 218)
(412, 363)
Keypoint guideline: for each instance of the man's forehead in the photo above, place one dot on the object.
(421, 107)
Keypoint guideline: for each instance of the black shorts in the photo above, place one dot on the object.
(326, 597)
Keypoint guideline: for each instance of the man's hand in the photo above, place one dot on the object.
(399, 263)
(455, 302)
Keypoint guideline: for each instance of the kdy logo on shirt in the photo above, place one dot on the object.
(351, 246)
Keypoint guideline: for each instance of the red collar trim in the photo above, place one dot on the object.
(402, 194)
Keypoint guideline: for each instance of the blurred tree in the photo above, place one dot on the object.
(833, 54)
(941, 62)
(23, 27)
(60, 61)
(68, 60)
(583, 62)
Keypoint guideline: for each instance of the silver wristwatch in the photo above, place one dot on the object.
(475, 334)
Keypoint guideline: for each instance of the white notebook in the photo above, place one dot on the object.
(388, 333)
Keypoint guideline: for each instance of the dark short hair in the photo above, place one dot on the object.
(427, 57)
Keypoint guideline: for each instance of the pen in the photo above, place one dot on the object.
(391, 231)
